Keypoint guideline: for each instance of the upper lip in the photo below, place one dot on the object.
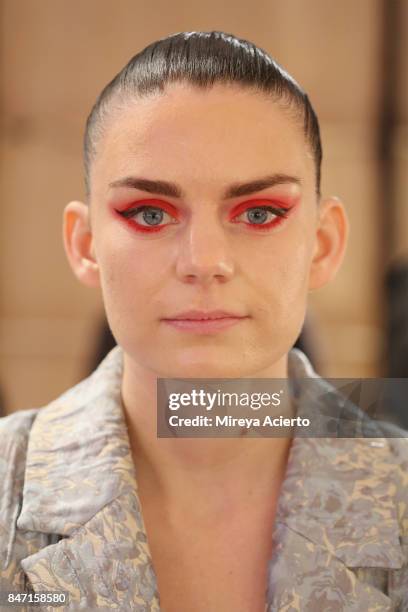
(197, 315)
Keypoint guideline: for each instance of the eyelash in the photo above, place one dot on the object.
(131, 213)
(280, 212)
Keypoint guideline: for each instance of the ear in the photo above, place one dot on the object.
(78, 243)
(330, 242)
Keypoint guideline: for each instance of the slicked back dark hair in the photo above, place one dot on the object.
(202, 59)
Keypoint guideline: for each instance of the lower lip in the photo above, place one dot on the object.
(204, 326)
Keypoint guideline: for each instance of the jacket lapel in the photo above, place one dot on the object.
(306, 577)
(80, 484)
(104, 565)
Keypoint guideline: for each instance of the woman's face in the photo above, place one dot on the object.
(204, 242)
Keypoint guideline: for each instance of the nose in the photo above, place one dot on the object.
(204, 255)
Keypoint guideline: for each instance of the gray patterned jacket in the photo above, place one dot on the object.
(70, 517)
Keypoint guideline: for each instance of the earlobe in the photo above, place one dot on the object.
(78, 243)
(330, 243)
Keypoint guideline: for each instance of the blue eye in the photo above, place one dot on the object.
(152, 216)
(147, 215)
(259, 215)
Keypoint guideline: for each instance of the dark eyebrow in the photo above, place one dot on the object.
(242, 189)
(233, 191)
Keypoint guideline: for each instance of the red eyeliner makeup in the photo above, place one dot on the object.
(169, 208)
(280, 207)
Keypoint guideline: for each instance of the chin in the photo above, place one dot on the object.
(208, 371)
(217, 367)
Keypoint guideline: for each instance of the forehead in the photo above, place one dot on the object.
(206, 137)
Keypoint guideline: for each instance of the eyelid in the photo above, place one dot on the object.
(283, 204)
(277, 201)
(153, 203)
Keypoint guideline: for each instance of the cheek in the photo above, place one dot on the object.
(279, 277)
(130, 273)
(279, 268)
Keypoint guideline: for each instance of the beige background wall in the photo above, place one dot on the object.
(57, 55)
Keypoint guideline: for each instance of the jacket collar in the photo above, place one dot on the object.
(336, 504)
(78, 455)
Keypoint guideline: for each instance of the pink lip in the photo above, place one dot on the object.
(199, 315)
(204, 322)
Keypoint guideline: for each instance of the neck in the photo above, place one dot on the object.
(177, 466)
